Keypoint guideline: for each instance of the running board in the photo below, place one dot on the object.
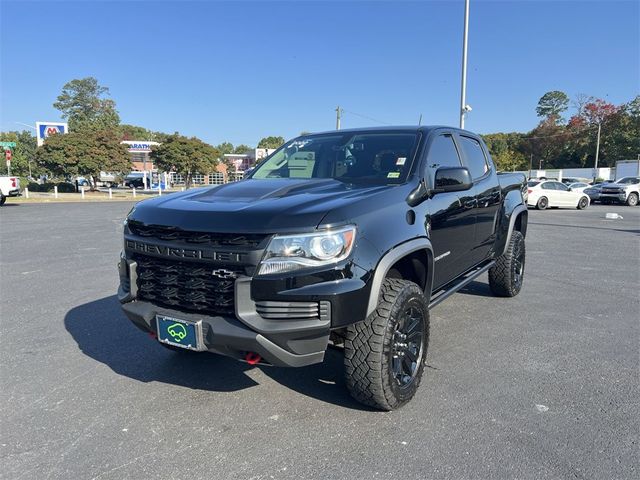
(470, 277)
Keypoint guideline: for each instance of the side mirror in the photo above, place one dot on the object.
(418, 195)
(452, 179)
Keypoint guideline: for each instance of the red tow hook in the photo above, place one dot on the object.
(252, 358)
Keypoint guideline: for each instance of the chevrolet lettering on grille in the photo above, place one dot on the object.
(179, 252)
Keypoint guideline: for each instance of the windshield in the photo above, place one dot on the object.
(377, 158)
(628, 180)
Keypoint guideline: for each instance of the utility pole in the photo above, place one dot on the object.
(420, 120)
(338, 117)
(595, 169)
(464, 108)
(530, 166)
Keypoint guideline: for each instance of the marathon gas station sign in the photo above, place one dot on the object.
(139, 146)
(46, 129)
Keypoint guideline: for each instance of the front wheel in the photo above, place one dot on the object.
(583, 203)
(632, 200)
(543, 203)
(507, 275)
(384, 356)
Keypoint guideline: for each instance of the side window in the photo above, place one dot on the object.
(560, 186)
(442, 153)
(548, 186)
(475, 156)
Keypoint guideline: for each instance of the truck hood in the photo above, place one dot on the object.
(252, 206)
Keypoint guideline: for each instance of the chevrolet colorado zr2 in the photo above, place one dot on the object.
(347, 237)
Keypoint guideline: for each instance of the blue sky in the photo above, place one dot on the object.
(238, 71)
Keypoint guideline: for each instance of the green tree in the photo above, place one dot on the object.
(186, 156)
(23, 153)
(225, 148)
(271, 142)
(242, 148)
(507, 151)
(552, 104)
(84, 153)
(134, 132)
(83, 103)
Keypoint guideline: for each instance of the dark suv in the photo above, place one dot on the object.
(347, 237)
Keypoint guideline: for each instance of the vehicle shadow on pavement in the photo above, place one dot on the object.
(103, 333)
(479, 289)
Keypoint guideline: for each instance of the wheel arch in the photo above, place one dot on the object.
(518, 220)
(413, 259)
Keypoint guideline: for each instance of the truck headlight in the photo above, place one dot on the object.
(288, 253)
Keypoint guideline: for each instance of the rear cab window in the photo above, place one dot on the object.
(475, 158)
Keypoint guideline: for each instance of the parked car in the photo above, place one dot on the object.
(9, 187)
(135, 179)
(348, 236)
(593, 192)
(626, 190)
(552, 193)
(578, 186)
(570, 180)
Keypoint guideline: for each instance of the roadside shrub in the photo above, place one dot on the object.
(33, 186)
(66, 187)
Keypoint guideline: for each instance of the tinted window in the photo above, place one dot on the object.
(442, 153)
(560, 186)
(532, 183)
(378, 158)
(548, 186)
(477, 163)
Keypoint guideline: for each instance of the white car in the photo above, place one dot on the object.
(9, 187)
(578, 186)
(551, 193)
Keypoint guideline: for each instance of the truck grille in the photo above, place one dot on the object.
(186, 286)
(166, 233)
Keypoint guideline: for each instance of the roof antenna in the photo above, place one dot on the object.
(420, 120)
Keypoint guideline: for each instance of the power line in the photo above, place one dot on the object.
(366, 117)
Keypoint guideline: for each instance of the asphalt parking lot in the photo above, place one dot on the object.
(544, 385)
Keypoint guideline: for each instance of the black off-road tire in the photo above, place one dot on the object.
(543, 202)
(632, 199)
(2, 199)
(507, 275)
(583, 203)
(371, 347)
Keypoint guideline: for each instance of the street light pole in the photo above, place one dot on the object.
(338, 117)
(463, 90)
(595, 169)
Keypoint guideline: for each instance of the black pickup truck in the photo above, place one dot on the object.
(345, 238)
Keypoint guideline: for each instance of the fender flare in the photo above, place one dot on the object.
(517, 211)
(390, 258)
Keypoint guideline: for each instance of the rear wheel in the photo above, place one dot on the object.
(507, 275)
(632, 200)
(384, 356)
(2, 199)
(583, 203)
(543, 203)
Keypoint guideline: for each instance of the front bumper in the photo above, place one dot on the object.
(618, 197)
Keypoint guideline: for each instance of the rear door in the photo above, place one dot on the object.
(486, 192)
(549, 191)
(564, 196)
(450, 215)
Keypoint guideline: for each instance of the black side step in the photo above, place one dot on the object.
(470, 277)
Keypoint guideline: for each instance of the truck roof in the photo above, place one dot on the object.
(390, 128)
